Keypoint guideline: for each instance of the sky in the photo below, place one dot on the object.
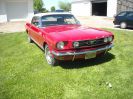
(49, 3)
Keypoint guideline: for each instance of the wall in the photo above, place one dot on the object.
(3, 10)
(3, 16)
(84, 7)
(111, 8)
(30, 10)
(124, 5)
(81, 8)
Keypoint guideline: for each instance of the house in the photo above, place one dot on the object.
(15, 10)
(100, 7)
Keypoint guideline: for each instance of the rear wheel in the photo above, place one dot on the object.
(123, 25)
(30, 40)
(49, 57)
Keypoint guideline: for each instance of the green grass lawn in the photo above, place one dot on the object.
(25, 74)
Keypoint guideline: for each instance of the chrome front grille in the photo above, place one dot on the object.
(91, 43)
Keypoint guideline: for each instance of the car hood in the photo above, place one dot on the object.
(75, 32)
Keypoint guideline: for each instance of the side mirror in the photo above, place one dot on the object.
(38, 26)
(78, 21)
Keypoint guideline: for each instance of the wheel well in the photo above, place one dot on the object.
(44, 44)
(26, 31)
(123, 22)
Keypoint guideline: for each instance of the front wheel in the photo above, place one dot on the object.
(123, 25)
(49, 57)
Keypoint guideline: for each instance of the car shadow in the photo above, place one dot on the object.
(86, 63)
(128, 28)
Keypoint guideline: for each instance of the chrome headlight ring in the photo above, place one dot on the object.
(105, 40)
(60, 45)
(110, 39)
(75, 44)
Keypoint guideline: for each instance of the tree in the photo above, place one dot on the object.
(38, 6)
(52, 8)
(44, 10)
(66, 6)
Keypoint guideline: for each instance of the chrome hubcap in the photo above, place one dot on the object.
(48, 55)
(123, 25)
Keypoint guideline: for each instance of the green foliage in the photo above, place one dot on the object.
(66, 6)
(25, 74)
(38, 6)
(44, 10)
(52, 8)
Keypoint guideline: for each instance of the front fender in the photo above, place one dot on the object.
(51, 42)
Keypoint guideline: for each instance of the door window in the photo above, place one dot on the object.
(35, 21)
(130, 15)
(122, 14)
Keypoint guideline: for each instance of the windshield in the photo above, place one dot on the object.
(62, 19)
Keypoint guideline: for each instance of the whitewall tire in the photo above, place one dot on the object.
(49, 57)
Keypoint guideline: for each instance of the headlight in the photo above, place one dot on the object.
(110, 38)
(76, 44)
(105, 40)
(60, 45)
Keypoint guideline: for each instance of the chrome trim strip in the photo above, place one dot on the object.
(84, 52)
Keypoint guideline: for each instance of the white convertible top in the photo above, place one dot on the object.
(51, 13)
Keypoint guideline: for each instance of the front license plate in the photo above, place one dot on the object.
(90, 55)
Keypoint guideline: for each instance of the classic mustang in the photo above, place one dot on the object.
(62, 37)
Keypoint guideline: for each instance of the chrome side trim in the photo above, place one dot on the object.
(82, 52)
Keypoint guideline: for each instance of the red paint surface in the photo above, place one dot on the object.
(53, 34)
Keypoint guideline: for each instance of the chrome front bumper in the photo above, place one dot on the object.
(105, 48)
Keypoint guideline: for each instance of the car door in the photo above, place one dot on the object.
(130, 19)
(121, 17)
(36, 33)
(34, 28)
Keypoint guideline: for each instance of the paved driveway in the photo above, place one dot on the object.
(100, 22)
(92, 21)
(10, 27)
(96, 21)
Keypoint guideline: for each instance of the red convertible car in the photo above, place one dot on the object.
(62, 37)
